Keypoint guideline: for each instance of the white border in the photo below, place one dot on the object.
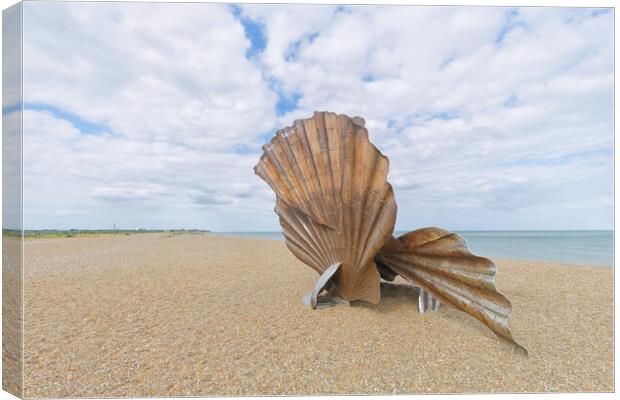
(519, 3)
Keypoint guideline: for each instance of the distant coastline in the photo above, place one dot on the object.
(56, 233)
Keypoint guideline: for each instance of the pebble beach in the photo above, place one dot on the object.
(207, 315)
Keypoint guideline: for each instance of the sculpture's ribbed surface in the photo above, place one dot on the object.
(440, 262)
(333, 198)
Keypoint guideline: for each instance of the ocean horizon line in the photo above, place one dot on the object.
(579, 247)
(575, 246)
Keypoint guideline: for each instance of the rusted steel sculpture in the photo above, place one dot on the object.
(337, 212)
(333, 199)
(440, 263)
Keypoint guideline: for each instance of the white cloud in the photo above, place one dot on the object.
(496, 113)
(491, 117)
(148, 71)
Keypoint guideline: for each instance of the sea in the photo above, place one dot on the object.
(572, 247)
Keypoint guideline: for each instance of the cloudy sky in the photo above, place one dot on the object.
(152, 115)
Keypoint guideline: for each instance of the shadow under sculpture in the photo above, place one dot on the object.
(337, 211)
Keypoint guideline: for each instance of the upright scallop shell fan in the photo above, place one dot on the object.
(335, 205)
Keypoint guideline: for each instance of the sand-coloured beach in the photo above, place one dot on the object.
(177, 315)
(12, 355)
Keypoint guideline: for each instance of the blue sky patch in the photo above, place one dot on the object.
(312, 37)
(265, 137)
(293, 50)
(601, 11)
(343, 9)
(9, 109)
(368, 78)
(254, 31)
(85, 126)
(512, 101)
(446, 62)
(446, 115)
(241, 148)
(512, 22)
(286, 103)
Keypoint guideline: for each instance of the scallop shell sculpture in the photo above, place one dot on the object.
(337, 212)
(333, 199)
(440, 263)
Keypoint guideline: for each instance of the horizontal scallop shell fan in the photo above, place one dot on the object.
(440, 263)
(337, 211)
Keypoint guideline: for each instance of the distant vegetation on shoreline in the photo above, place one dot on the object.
(58, 233)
